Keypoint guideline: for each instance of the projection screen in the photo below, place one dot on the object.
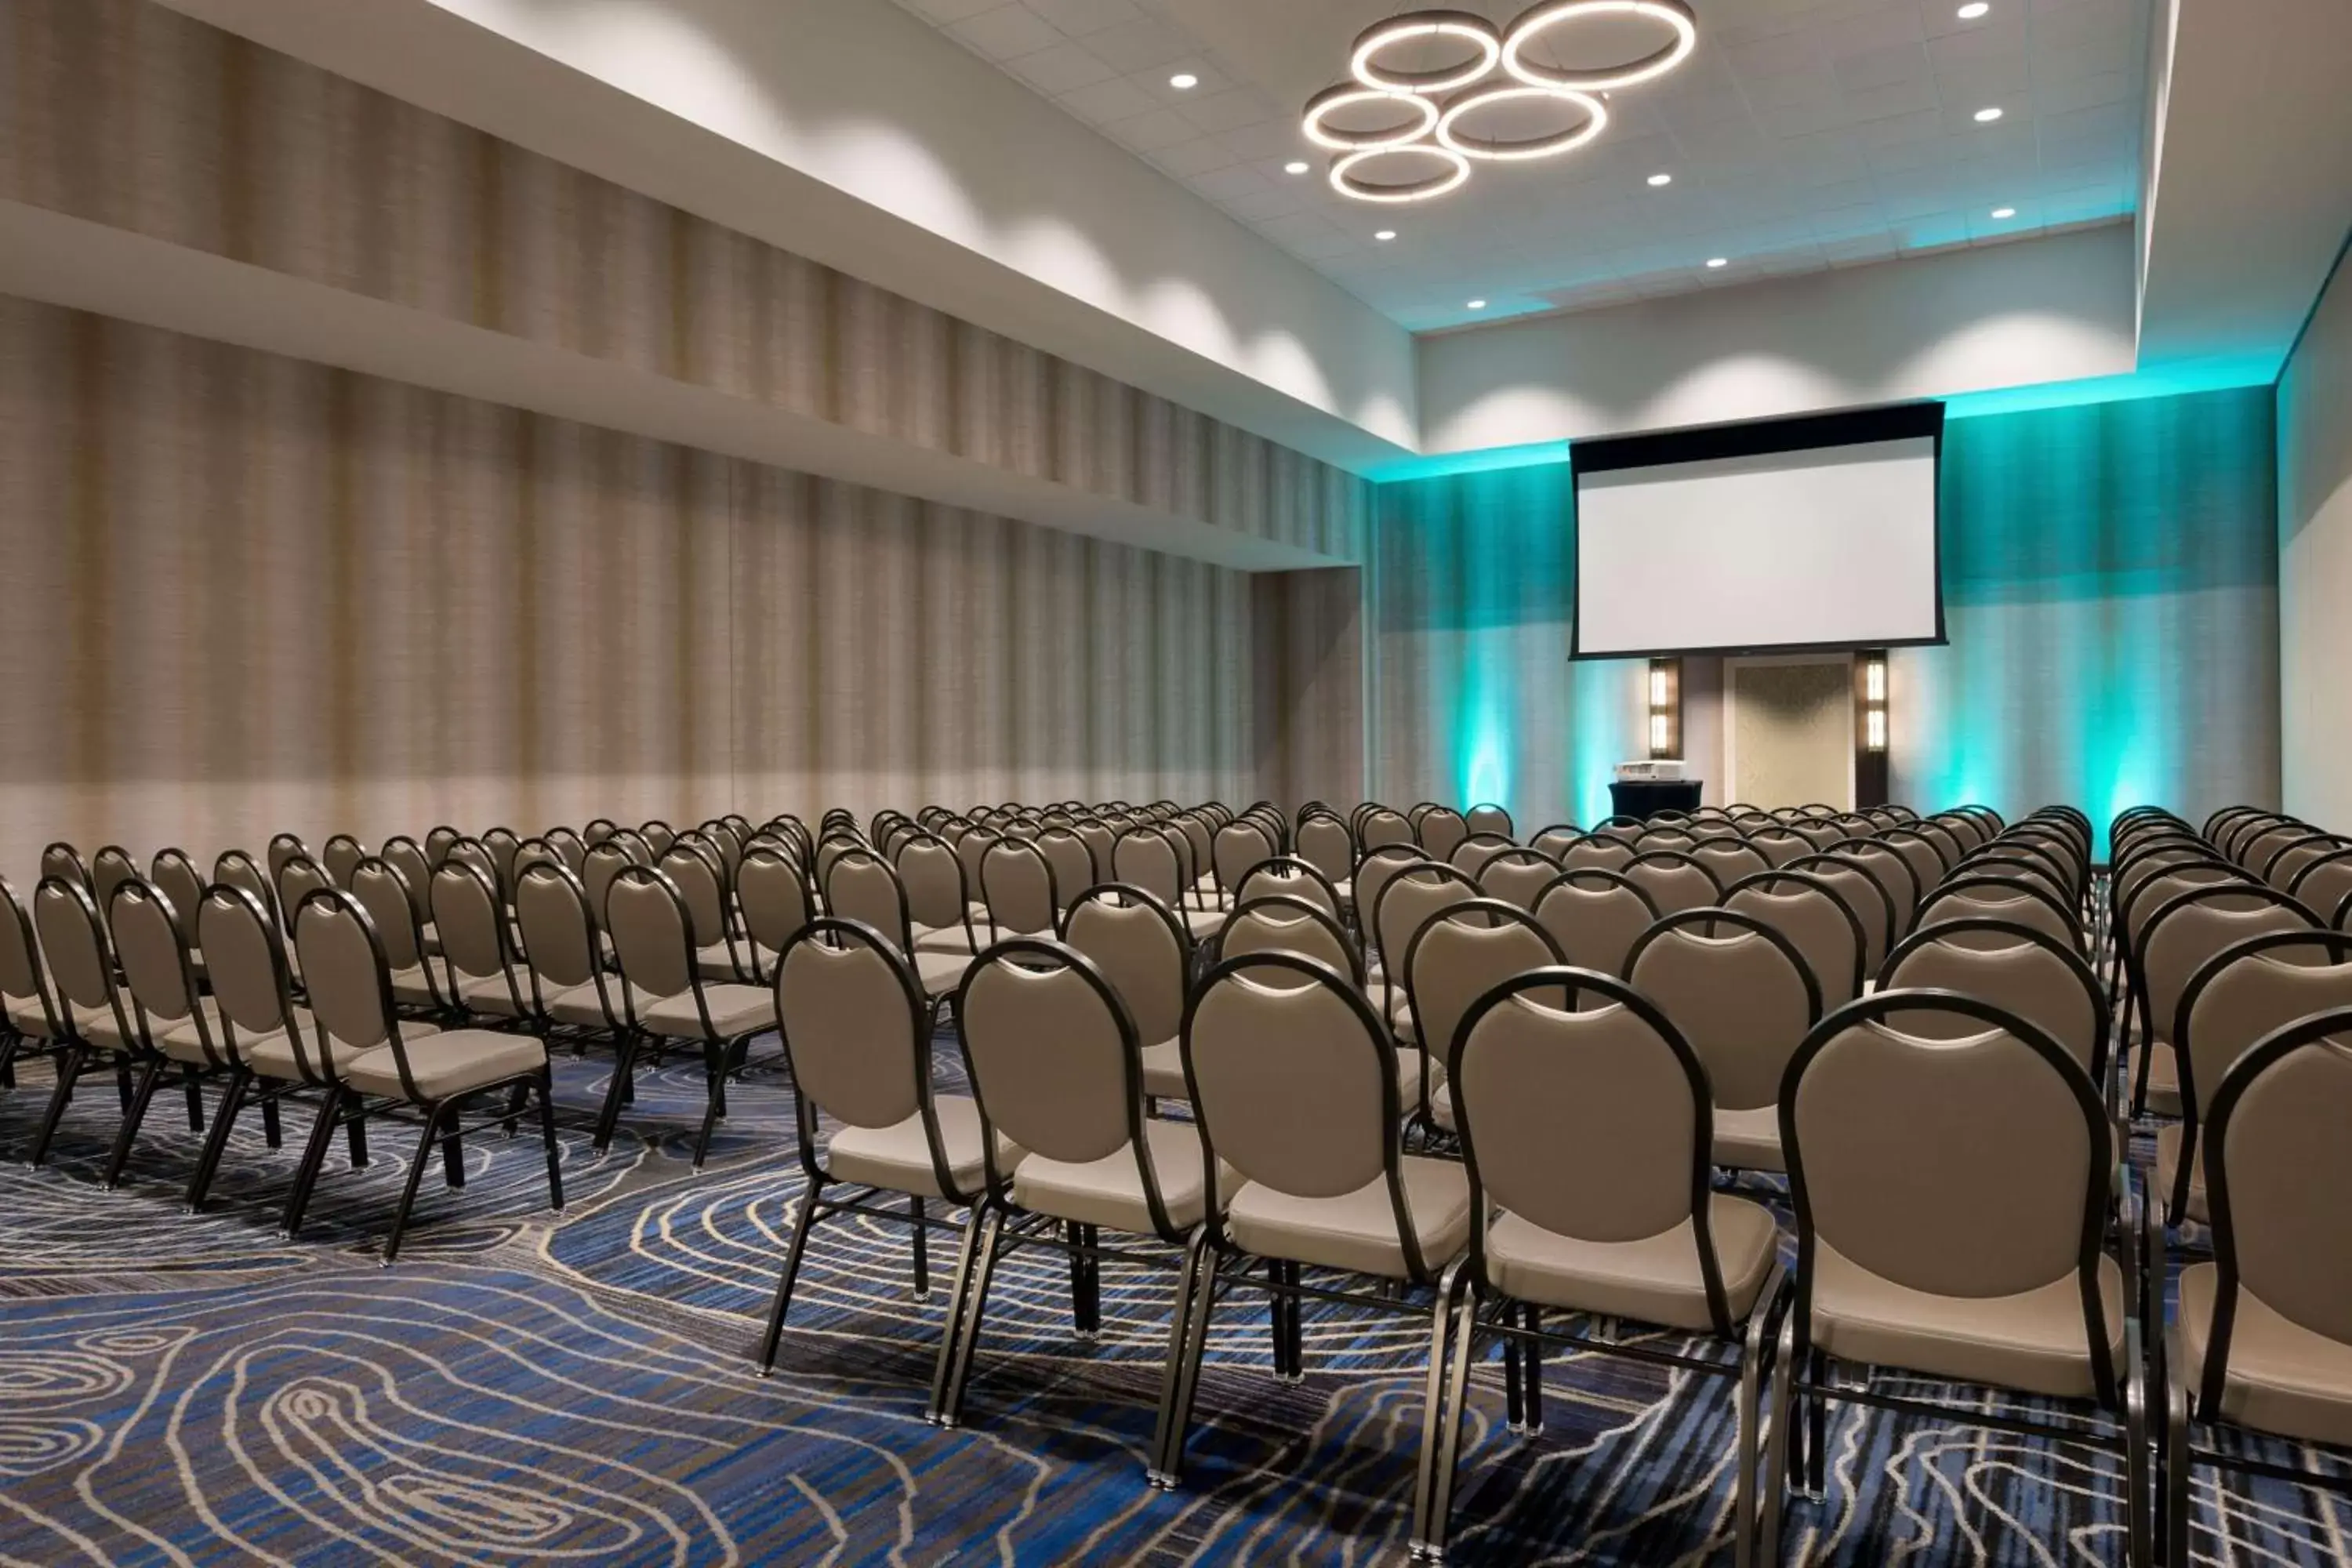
(1776, 536)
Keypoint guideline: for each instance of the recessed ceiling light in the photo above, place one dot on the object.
(1296, 166)
(1385, 233)
(1719, 261)
(1662, 179)
(1987, 116)
(1973, 9)
(1183, 80)
(2004, 212)
(1478, 305)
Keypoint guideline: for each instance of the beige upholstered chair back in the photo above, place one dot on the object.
(245, 960)
(2241, 994)
(2141, 897)
(1373, 873)
(20, 957)
(2278, 1165)
(1825, 932)
(1465, 951)
(1663, 837)
(1603, 851)
(1517, 875)
(2036, 865)
(416, 873)
(1489, 818)
(2000, 897)
(343, 970)
(1017, 884)
(1408, 901)
(339, 857)
(1324, 843)
(1383, 827)
(1861, 893)
(1141, 950)
(174, 875)
(1292, 1080)
(297, 879)
(109, 869)
(1072, 861)
(1918, 852)
(1674, 880)
(2031, 979)
(1957, 1166)
(438, 842)
(1283, 877)
(2178, 939)
(658, 836)
(381, 892)
(474, 853)
(1781, 843)
(775, 901)
(1743, 1001)
(849, 1012)
(1442, 831)
(1146, 859)
(552, 912)
(1729, 859)
(153, 959)
(1238, 846)
(236, 869)
(569, 848)
(283, 847)
(605, 860)
(2326, 885)
(696, 876)
(528, 853)
(1583, 1122)
(1894, 874)
(862, 887)
(1053, 1063)
(1283, 924)
(1595, 916)
(465, 916)
(651, 934)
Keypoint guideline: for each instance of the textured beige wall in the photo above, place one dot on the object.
(245, 593)
(2314, 544)
(1792, 734)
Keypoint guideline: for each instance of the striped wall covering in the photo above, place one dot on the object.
(2111, 592)
(126, 113)
(246, 594)
(1308, 660)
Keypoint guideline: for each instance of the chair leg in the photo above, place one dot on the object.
(2139, 1511)
(516, 1097)
(2175, 1476)
(546, 1088)
(1777, 1457)
(1187, 1384)
(714, 1071)
(1295, 1321)
(1515, 1405)
(1449, 1455)
(123, 1088)
(70, 1066)
(1428, 1539)
(950, 1336)
(1178, 1341)
(150, 1075)
(625, 1055)
(791, 1270)
(983, 1264)
(1743, 1503)
(1817, 1431)
(1278, 1315)
(9, 1044)
(355, 1138)
(195, 1088)
(200, 1180)
(1532, 1368)
(432, 1115)
(919, 1222)
(314, 1155)
(272, 1133)
(453, 1154)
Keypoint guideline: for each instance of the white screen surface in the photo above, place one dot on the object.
(1826, 546)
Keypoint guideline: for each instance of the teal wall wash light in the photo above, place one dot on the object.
(2110, 575)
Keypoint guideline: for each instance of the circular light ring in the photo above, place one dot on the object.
(1549, 13)
(1455, 175)
(1346, 95)
(1449, 133)
(1473, 30)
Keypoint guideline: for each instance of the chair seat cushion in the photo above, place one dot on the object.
(1202, 922)
(1749, 1140)
(2168, 1139)
(1654, 1280)
(449, 1063)
(2283, 1378)
(950, 939)
(717, 963)
(941, 972)
(416, 986)
(271, 1055)
(26, 1017)
(1163, 1072)
(899, 1158)
(1110, 1191)
(1357, 1230)
(491, 995)
(582, 1005)
(2163, 1080)
(185, 1041)
(734, 1010)
(2031, 1341)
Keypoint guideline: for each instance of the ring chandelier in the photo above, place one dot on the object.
(1421, 146)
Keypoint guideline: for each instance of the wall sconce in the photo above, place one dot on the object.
(1874, 702)
(1665, 707)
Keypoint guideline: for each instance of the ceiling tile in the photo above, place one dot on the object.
(1062, 69)
(1150, 132)
(1006, 32)
(1078, 18)
(1106, 101)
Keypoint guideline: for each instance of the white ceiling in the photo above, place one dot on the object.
(1804, 134)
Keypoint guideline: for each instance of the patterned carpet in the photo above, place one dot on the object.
(520, 1390)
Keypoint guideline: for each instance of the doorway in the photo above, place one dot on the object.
(1788, 730)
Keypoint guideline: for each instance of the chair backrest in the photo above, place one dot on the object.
(403, 856)
(606, 860)
(235, 867)
(1140, 946)
(653, 935)
(297, 878)
(1674, 880)
(1462, 951)
(856, 1030)
(558, 933)
(775, 900)
(2324, 884)
(1441, 831)
(1893, 872)
(1237, 849)
(1590, 1121)
(391, 914)
(1473, 853)
(1325, 843)
(1295, 1085)
(2018, 968)
(569, 848)
(2189, 928)
(1287, 876)
(245, 960)
(1595, 915)
(1957, 1163)
(1055, 1062)
(1381, 826)
(1405, 902)
(1780, 843)
(1072, 862)
(862, 886)
(73, 940)
(1739, 991)
(1728, 859)
(1517, 876)
(175, 876)
(153, 958)
(339, 857)
(1283, 924)
(109, 869)
(62, 859)
(474, 853)
(2026, 862)
(1146, 856)
(472, 926)
(695, 874)
(1373, 872)
(285, 847)
(2243, 992)
(1818, 922)
(1554, 840)
(1488, 817)
(2276, 1167)
(345, 972)
(658, 836)
(1987, 896)
(1017, 884)
(21, 974)
(437, 841)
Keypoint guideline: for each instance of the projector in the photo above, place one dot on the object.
(1656, 768)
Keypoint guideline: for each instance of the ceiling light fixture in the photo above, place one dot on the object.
(1450, 132)
(1348, 95)
(2004, 212)
(1973, 9)
(1662, 179)
(1344, 180)
(1541, 18)
(1477, 305)
(1418, 27)
(1296, 166)
(1987, 116)
(1385, 233)
(1183, 81)
(1719, 261)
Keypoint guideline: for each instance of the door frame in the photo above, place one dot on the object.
(1732, 665)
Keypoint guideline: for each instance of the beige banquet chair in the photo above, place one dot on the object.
(1595, 915)
(94, 1028)
(1140, 946)
(1461, 953)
